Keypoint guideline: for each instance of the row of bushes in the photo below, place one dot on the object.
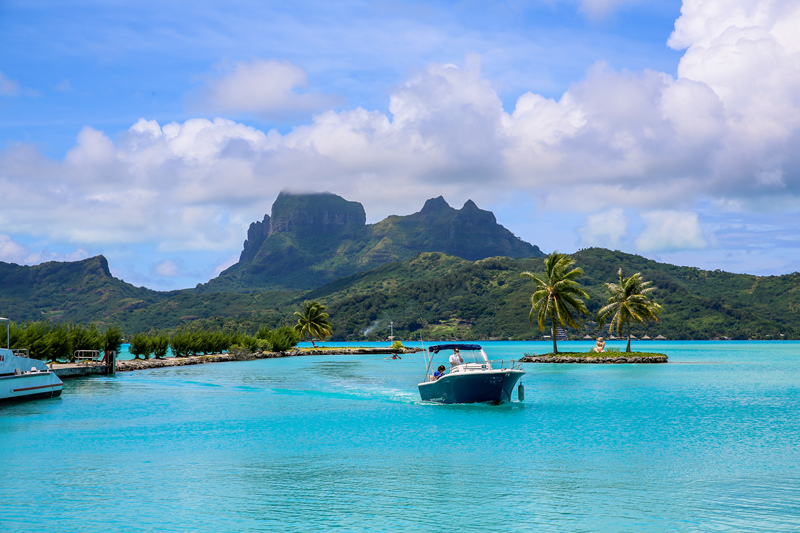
(55, 342)
(58, 342)
(201, 342)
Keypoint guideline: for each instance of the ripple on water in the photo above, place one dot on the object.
(344, 443)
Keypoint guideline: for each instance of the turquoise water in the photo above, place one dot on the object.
(708, 442)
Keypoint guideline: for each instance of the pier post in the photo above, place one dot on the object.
(111, 363)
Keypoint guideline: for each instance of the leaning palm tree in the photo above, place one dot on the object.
(558, 295)
(629, 301)
(313, 321)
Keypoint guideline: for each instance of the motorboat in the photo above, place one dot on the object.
(22, 378)
(476, 379)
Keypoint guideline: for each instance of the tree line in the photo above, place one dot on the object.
(59, 342)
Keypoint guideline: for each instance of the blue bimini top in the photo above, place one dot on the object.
(439, 347)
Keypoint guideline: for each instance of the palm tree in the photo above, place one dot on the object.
(629, 301)
(558, 295)
(313, 321)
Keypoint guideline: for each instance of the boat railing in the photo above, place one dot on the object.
(496, 364)
(507, 364)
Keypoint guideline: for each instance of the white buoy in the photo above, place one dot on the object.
(521, 392)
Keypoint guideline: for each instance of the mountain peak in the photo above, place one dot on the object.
(469, 205)
(314, 239)
(435, 205)
(314, 213)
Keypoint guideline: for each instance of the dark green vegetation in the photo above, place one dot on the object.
(313, 239)
(441, 273)
(557, 295)
(434, 296)
(58, 342)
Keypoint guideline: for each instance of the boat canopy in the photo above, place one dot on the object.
(439, 347)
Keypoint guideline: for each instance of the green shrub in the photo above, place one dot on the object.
(140, 345)
(249, 343)
(281, 339)
(59, 345)
(84, 338)
(180, 342)
(111, 339)
(159, 344)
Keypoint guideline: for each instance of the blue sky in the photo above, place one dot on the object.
(156, 132)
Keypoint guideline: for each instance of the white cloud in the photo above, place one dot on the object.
(724, 131)
(748, 54)
(167, 268)
(667, 231)
(266, 88)
(12, 252)
(604, 229)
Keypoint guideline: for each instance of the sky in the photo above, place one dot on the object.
(155, 133)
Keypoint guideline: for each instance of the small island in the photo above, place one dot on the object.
(596, 358)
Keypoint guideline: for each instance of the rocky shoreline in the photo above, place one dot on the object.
(144, 364)
(618, 360)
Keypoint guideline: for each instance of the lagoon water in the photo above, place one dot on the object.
(708, 442)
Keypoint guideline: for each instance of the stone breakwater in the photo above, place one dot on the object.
(594, 360)
(144, 364)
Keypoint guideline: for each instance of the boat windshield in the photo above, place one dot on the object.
(470, 353)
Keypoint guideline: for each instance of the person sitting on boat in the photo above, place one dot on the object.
(439, 372)
(600, 346)
(456, 358)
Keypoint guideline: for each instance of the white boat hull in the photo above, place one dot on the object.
(23, 379)
(29, 387)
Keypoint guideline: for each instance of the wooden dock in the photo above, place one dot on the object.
(107, 366)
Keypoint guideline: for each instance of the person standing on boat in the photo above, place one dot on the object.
(456, 358)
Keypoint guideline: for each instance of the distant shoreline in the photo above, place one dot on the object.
(130, 365)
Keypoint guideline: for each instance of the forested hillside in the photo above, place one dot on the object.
(432, 295)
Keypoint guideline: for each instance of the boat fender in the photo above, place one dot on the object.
(521, 392)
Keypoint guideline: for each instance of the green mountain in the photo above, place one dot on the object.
(489, 299)
(80, 291)
(314, 239)
(432, 296)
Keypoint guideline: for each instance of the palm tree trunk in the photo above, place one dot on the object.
(628, 349)
(553, 332)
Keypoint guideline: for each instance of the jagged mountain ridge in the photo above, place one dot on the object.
(433, 295)
(312, 239)
(77, 291)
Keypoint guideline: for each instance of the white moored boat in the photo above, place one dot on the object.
(23, 379)
(475, 380)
